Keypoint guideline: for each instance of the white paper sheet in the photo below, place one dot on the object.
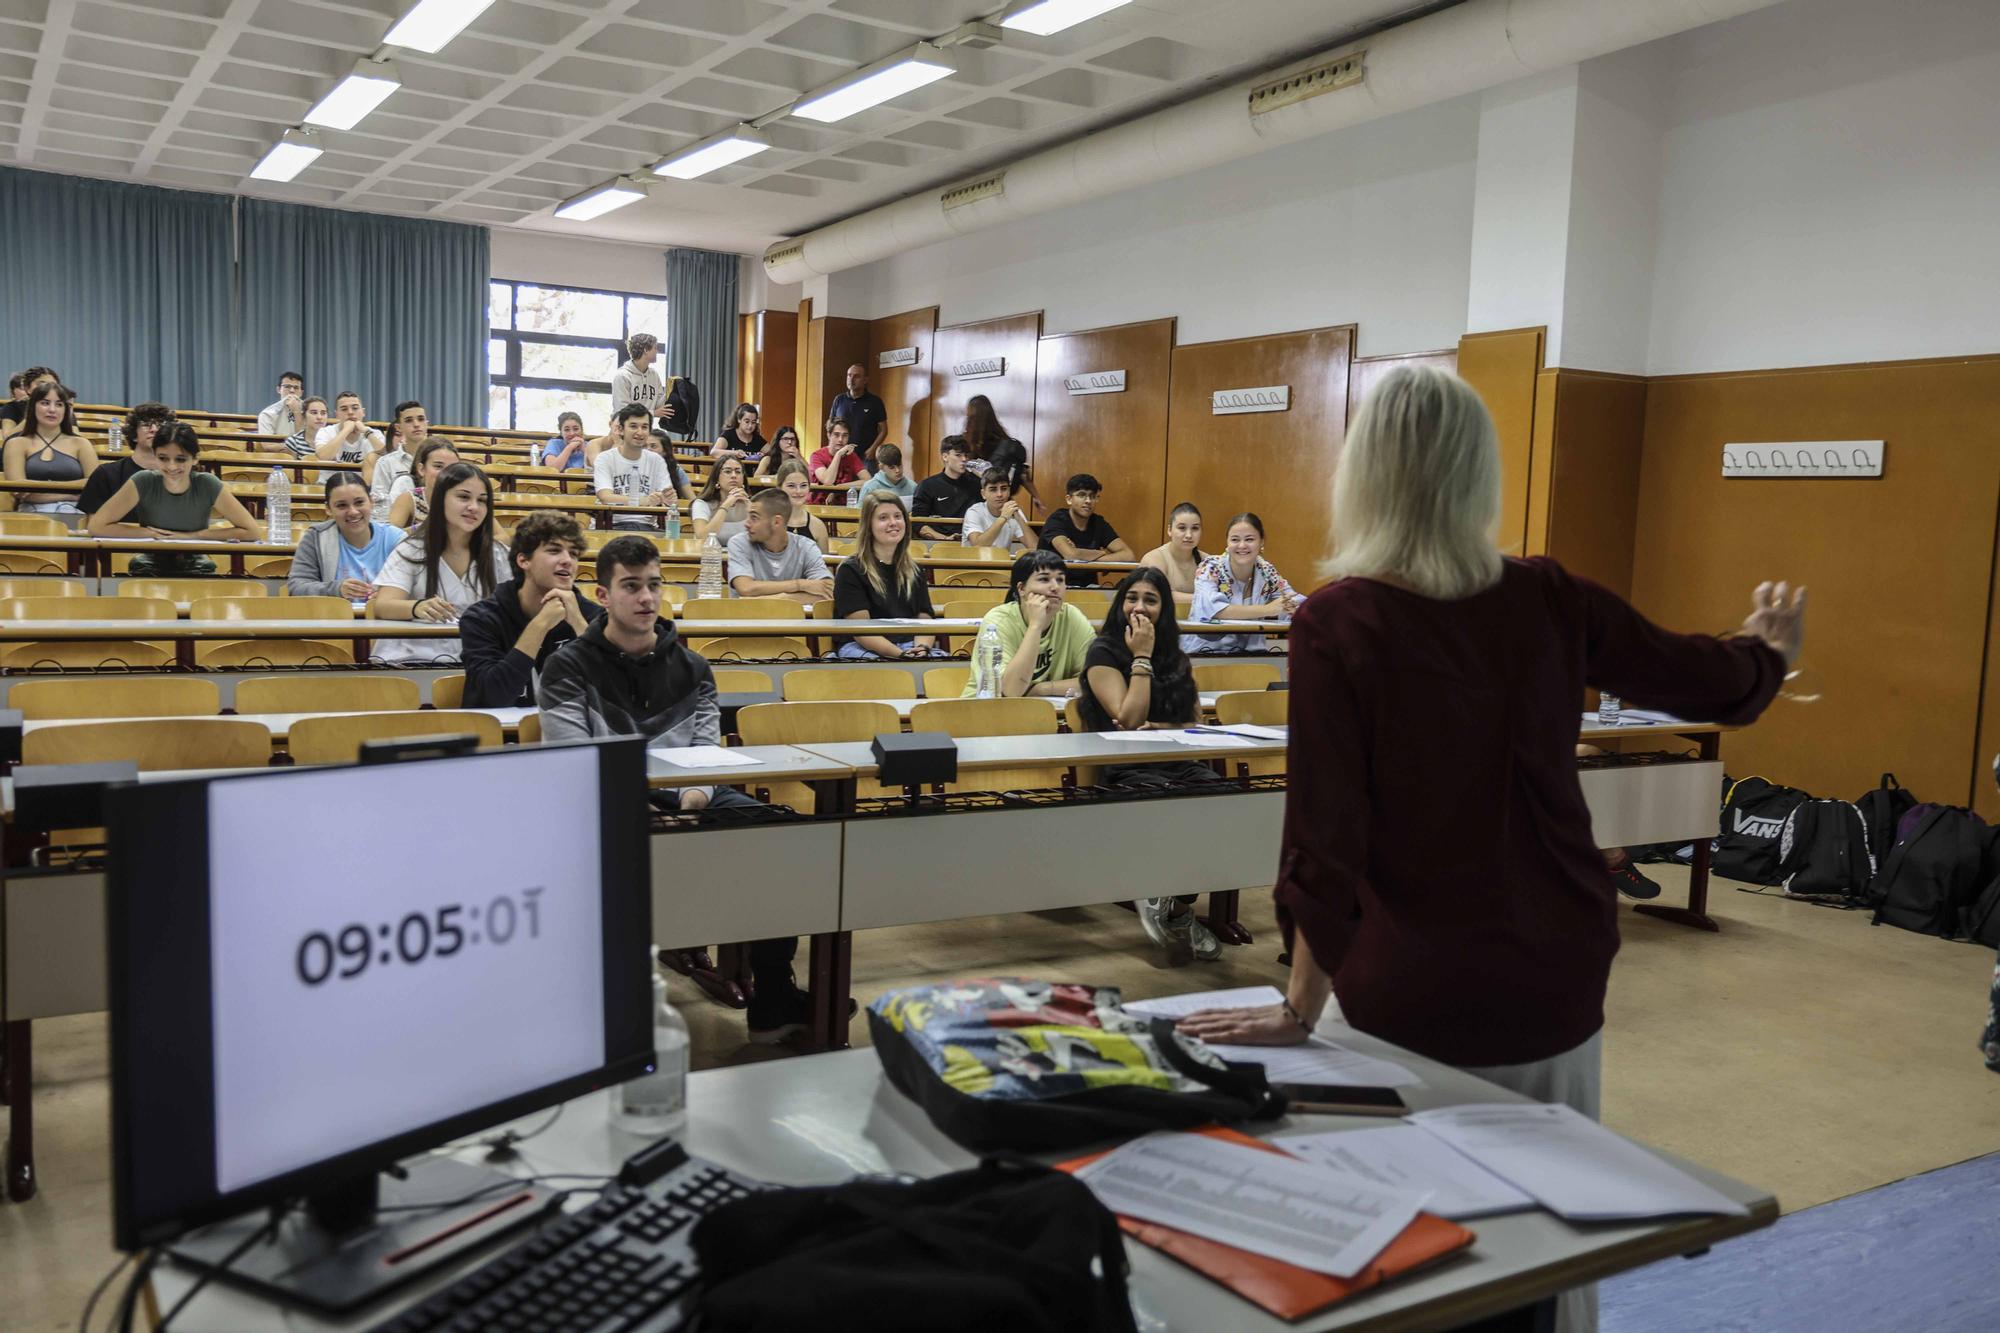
(703, 756)
(1409, 1157)
(1570, 1164)
(1258, 731)
(1314, 1061)
(1636, 717)
(1258, 1201)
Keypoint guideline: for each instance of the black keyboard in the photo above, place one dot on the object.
(621, 1264)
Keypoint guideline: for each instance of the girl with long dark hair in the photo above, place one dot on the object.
(435, 575)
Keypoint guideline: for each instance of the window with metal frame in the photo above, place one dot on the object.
(551, 349)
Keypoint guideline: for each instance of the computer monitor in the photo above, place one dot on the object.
(318, 972)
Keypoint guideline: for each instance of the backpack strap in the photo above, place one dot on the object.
(1245, 1082)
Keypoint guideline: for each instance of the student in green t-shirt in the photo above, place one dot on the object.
(174, 501)
(1042, 638)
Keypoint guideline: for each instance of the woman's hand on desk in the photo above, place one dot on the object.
(1264, 1025)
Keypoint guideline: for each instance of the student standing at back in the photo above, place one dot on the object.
(864, 415)
(631, 474)
(637, 382)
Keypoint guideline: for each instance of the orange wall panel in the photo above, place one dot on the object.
(1119, 438)
(1596, 431)
(833, 343)
(774, 362)
(1900, 567)
(1014, 395)
(1502, 367)
(1366, 371)
(905, 390)
(1278, 465)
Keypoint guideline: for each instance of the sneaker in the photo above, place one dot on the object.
(778, 1014)
(1164, 928)
(1633, 884)
(1207, 948)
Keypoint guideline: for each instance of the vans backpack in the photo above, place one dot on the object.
(1823, 853)
(1753, 822)
(1035, 1066)
(1934, 872)
(1881, 809)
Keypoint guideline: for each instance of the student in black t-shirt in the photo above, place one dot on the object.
(142, 424)
(1080, 535)
(949, 493)
(881, 581)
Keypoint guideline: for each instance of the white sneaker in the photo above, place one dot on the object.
(1153, 916)
(1202, 940)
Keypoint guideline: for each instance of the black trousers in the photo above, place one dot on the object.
(768, 958)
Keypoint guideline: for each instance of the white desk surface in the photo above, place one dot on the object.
(281, 724)
(821, 1119)
(774, 763)
(1086, 747)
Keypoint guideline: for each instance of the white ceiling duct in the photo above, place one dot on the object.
(1471, 46)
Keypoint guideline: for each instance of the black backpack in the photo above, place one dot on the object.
(1880, 809)
(1934, 872)
(1823, 853)
(1753, 821)
(684, 396)
(1980, 922)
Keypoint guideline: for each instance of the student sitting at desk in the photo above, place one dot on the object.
(890, 476)
(836, 465)
(881, 581)
(48, 447)
(142, 427)
(792, 480)
(299, 444)
(723, 505)
(1239, 585)
(1437, 872)
(766, 560)
(566, 450)
(342, 556)
(1135, 677)
(410, 496)
(1042, 639)
(1179, 557)
(740, 438)
(997, 520)
(435, 575)
(1081, 535)
(628, 674)
(948, 493)
(174, 501)
(508, 637)
(783, 449)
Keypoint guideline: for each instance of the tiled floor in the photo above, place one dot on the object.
(1800, 1049)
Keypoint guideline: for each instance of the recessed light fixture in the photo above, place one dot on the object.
(713, 154)
(605, 198)
(876, 84)
(1043, 17)
(356, 95)
(293, 153)
(432, 23)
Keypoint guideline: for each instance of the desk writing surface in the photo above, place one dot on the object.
(1084, 747)
(775, 763)
(822, 1119)
(281, 724)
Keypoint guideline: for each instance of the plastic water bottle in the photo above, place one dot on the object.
(673, 519)
(991, 662)
(278, 507)
(711, 568)
(854, 496)
(656, 1103)
(1607, 709)
(114, 439)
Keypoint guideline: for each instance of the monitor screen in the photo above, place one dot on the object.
(320, 970)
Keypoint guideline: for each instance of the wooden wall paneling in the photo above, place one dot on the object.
(1119, 438)
(1364, 372)
(1541, 462)
(803, 376)
(1588, 488)
(1900, 567)
(905, 390)
(776, 388)
(1503, 367)
(746, 358)
(1015, 395)
(1277, 464)
(833, 343)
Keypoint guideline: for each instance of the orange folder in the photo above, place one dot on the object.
(1286, 1290)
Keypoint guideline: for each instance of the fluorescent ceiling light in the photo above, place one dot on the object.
(713, 154)
(1043, 17)
(596, 203)
(356, 95)
(288, 157)
(432, 23)
(921, 64)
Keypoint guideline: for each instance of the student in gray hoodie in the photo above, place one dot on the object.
(340, 556)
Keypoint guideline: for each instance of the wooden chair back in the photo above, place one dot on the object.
(28, 562)
(448, 691)
(261, 654)
(261, 607)
(993, 717)
(188, 590)
(109, 697)
(338, 740)
(1215, 677)
(742, 608)
(805, 723)
(86, 608)
(156, 745)
(742, 680)
(1093, 602)
(327, 694)
(101, 655)
(1266, 708)
(28, 586)
(33, 525)
(830, 683)
(531, 729)
(946, 682)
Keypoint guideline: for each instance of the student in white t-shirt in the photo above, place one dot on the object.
(997, 520)
(631, 474)
(410, 427)
(454, 562)
(410, 497)
(350, 438)
(637, 382)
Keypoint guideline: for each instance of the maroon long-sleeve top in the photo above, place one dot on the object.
(1438, 859)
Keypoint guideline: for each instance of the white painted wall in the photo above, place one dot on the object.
(1370, 225)
(572, 261)
(1521, 206)
(1831, 188)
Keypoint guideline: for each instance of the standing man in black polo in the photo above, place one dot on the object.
(867, 419)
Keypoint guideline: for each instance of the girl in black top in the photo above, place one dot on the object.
(739, 439)
(993, 447)
(881, 581)
(783, 449)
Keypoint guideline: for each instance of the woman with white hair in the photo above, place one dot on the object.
(1437, 871)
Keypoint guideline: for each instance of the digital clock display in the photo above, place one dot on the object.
(415, 937)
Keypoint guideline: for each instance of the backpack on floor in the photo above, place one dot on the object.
(1935, 870)
(1753, 821)
(1035, 1066)
(1881, 809)
(1980, 922)
(1823, 853)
